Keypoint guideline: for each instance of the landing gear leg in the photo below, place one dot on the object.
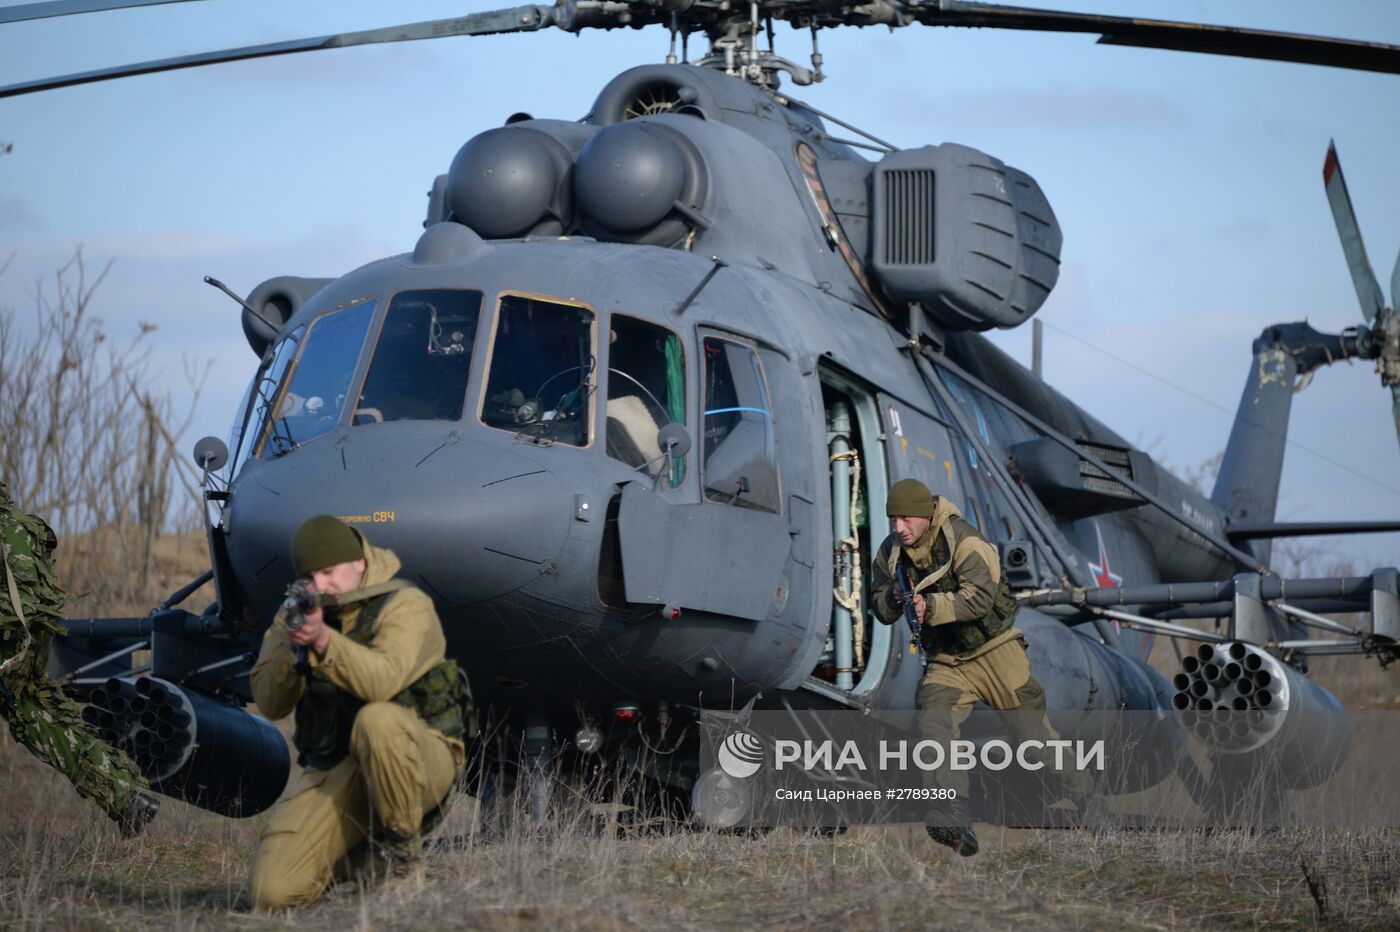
(539, 758)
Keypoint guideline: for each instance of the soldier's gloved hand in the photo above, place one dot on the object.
(314, 634)
(140, 810)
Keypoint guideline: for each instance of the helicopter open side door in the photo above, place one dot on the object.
(705, 557)
(725, 554)
(874, 440)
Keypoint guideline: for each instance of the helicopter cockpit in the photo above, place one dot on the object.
(740, 461)
(310, 373)
(646, 391)
(541, 370)
(540, 360)
(421, 360)
(417, 371)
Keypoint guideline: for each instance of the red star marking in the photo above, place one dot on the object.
(1103, 574)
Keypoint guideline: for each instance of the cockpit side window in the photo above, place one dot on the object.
(740, 465)
(314, 391)
(422, 358)
(541, 376)
(646, 391)
(262, 393)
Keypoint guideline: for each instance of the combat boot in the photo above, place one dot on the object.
(1094, 813)
(961, 838)
(405, 855)
(138, 812)
(952, 827)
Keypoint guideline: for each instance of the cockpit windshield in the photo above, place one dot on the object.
(541, 377)
(314, 391)
(422, 358)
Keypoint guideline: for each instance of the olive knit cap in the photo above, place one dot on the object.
(909, 498)
(324, 541)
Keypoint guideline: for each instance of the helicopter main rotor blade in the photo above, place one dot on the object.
(1170, 34)
(1395, 282)
(518, 19)
(28, 11)
(1395, 408)
(1368, 290)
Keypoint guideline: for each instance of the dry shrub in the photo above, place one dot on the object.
(90, 445)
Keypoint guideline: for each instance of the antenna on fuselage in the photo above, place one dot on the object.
(1037, 345)
(211, 280)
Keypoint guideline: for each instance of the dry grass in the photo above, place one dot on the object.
(62, 866)
(176, 559)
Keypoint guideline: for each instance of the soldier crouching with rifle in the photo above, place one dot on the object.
(938, 572)
(360, 657)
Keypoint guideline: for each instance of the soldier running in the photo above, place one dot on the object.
(965, 610)
(40, 715)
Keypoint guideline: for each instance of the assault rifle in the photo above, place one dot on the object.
(299, 600)
(906, 598)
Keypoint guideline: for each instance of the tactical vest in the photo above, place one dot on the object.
(326, 713)
(960, 637)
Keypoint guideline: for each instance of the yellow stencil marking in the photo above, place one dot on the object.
(378, 517)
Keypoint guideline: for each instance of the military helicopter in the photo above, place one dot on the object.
(628, 407)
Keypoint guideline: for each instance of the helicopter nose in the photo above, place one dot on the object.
(468, 519)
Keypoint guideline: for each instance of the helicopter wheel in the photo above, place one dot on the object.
(650, 807)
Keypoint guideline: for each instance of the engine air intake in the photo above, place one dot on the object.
(908, 222)
(966, 236)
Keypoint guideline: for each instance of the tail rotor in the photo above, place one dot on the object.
(1383, 334)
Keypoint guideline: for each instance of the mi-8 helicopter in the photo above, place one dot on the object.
(610, 409)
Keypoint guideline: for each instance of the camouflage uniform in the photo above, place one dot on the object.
(40, 716)
(974, 650)
(967, 633)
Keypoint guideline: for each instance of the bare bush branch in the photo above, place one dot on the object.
(89, 443)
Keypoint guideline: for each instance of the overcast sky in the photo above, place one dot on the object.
(1189, 187)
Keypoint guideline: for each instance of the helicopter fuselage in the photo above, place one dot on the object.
(526, 532)
(612, 463)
